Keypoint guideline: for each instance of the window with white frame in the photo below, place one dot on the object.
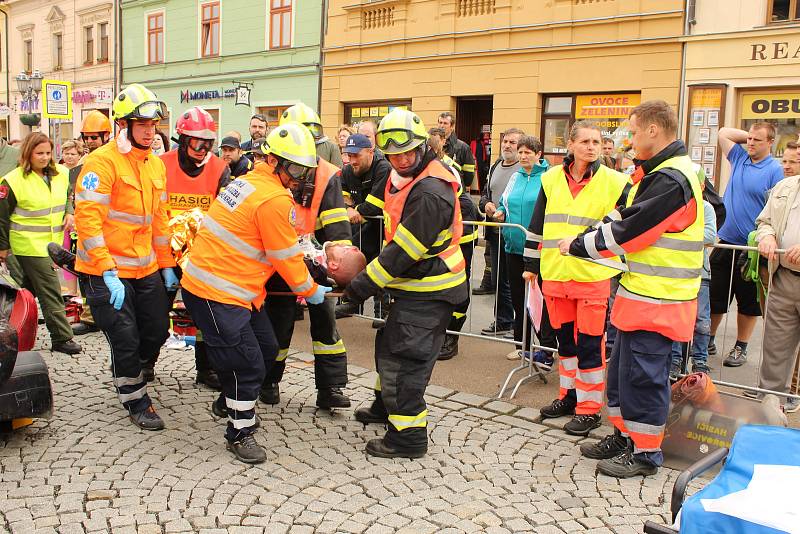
(280, 23)
(209, 29)
(155, 38)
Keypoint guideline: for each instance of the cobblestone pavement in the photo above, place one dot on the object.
(490, 468)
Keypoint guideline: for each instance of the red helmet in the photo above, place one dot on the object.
(197, 122)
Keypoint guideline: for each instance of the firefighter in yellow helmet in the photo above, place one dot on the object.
(423, 270)
(247, 235)
(123, 248)
(326, 149)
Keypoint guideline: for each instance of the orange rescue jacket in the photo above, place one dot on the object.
(186, 192)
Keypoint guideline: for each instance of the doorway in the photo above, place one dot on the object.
(473, 117)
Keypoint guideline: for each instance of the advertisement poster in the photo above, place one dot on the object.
(697, 153)
(703, 136)
(709, 154)
(698, 117)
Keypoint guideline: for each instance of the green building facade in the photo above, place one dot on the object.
(234, 58)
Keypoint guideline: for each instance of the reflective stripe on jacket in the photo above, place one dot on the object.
(38, 217)
(121, 213)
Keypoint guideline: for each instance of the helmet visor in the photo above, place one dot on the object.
(315, 129)
(395, 140)
(296, 171)
(150, 110)
(200, 145)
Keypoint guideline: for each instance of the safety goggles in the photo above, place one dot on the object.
(150, 110)
(394, 139)
(200, 145)
(296, 171)
(315, 129)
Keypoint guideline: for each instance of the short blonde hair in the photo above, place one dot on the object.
(72, 144)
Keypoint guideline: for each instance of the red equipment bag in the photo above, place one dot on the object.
(18, 323)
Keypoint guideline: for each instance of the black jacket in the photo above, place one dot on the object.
(461, 154)
(241, 167)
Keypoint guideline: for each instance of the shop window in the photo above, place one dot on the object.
(704, 117)
(58, 51)
(783, 10)
(272, 114)
(27, 57)
(103, 33)
(374, 111)
(781, 109)
(155, 38)
(210, 29)
(280, 23)
(88, 42)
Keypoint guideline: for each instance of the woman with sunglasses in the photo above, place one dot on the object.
(123, 243)
(34, 210)
(194, 177)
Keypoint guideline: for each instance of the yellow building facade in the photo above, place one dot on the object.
(742, 66)
(535, 65)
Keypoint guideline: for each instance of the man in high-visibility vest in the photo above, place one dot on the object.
(123, 242)
(247, 236)
(194, 177)
(660, 233)
(575, 195)
(422, 268)
(320, 211)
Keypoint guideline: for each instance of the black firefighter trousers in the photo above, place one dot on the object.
(406, 349)
(135, 332)
(330, 355)
(241, 345)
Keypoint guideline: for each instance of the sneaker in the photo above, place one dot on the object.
(674, 372)
(82, 329)
(792, 405)
(544, 360)
(482, 290)
(270, 394)
(67, 347)
(610, 446)
(494, 330)
(147, 419)
(736, 357)
(582, 424)
(626, 465)
(377, 447)
(247, 450)
(701, 367)
(712, 349)
(329, 398)
(557, 408)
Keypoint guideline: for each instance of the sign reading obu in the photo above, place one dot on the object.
(771, 106)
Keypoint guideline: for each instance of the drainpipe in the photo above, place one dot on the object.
(8, 73)
(322, 28)
(117, 47)
(688, 21)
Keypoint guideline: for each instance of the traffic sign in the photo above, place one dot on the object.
(57, 99)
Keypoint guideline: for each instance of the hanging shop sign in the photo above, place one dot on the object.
(212, 94)
(771, 106)
(607, 110)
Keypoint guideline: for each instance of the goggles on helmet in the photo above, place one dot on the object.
(399, 139)
(296, 171)
(200, 145)
(149, 110)
(315, 129)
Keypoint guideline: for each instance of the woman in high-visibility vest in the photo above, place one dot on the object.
(34, 211)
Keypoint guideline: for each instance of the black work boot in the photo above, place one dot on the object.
(247, 450)
(376, 413)
(328, 398)
(378, 447)
(147, 419)
(209, 378)
(608, 447)
(449, 347)
(62, 257)
(558, 408)
(149, 374)
(582, 424)
(270, 393)
(626, 465)
(81, 329)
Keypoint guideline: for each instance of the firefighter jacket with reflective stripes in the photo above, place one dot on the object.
(186, 192)
(326, 217)
(37, 216)
(422, 226)
(469, 211)
(462, 155)
(560, 215)
(247, 236)
(121, 213)
(660, 232)
(367, 190)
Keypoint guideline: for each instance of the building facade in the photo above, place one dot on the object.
(742, 66)
(71, 41)
(539, 66)
(234, 58)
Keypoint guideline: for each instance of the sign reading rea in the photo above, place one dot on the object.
(771, 106)
(779, 50)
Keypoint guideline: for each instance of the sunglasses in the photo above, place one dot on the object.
(90, 137)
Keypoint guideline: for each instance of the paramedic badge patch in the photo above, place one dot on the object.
(90, 181)
(292, 217)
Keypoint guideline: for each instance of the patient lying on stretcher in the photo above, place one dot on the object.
(336, 261)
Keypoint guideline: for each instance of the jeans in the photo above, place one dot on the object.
(504, 317)
(702, 329)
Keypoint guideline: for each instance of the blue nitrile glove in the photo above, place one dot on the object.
(117, 289)
(319, 295)
(170, 279)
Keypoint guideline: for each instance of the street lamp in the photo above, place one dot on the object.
(29, 87)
